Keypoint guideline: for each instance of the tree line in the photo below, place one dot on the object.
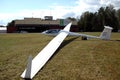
(105, 16)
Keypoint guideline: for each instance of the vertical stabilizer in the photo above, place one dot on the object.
(28, 69)
(105, 35)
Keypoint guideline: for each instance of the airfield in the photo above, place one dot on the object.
(76, 59)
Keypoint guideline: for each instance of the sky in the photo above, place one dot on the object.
(18, 9)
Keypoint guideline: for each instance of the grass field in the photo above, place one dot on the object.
(76, 59)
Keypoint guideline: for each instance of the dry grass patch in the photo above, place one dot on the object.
(76, 59)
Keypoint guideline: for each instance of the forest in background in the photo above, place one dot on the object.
(94, 22)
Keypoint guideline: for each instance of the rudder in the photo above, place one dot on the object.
(105, 35)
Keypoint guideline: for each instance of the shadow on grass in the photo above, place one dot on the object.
(115, 40)
(65, 43)
(61, 46)
(27, 79)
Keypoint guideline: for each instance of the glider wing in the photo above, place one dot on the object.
(39, 61)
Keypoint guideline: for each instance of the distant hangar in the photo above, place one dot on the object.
(34, 25)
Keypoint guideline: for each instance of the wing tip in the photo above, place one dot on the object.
(27, 73)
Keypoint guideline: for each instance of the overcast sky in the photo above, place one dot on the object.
(18, 9)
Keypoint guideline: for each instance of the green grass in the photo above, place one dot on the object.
(76, 59)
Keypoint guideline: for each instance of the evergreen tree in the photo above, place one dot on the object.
(118, 15)
(111, 18)
(106, 16)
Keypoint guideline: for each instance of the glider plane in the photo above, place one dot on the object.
(105, 35)
(40, 60)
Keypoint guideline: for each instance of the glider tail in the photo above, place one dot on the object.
(105, 35)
